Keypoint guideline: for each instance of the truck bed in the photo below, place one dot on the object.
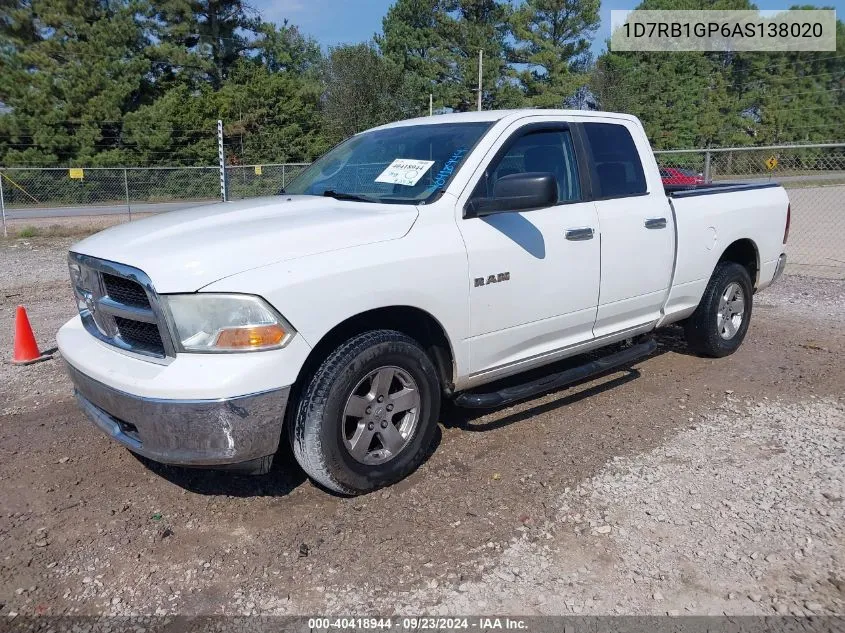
(705, 227)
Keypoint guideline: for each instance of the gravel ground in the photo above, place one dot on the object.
(685, 484)
(741, 514)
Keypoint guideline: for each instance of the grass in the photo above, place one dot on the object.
(54, 230)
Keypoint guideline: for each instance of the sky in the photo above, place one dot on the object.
(333, 22)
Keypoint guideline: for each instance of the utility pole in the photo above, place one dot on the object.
(3, 206)
(126, 190)
(222, 158)
(430, 104)
(480, 66)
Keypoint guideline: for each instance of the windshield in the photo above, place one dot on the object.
(401, 164)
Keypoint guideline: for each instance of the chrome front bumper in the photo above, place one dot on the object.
(240, 433)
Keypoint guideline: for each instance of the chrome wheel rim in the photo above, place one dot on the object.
(731, 310)
(381, 415)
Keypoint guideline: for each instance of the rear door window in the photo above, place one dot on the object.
(618, 168)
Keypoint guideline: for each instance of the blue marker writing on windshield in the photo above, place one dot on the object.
(447, 169)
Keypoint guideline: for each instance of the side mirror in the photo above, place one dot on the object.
(517, 192)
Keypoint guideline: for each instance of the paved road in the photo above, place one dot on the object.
(112, 209)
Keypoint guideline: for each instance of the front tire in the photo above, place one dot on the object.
(719, 324)
(367, 416)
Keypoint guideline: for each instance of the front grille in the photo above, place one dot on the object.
(125, 291)
(119, 306)
(140, 336)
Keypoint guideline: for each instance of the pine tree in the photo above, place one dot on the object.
(436, 43)
(479, 25)
(414, 39)
(204, 38)
(71, 68)
(552, 40)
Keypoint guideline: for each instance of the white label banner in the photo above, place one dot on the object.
(723, 31)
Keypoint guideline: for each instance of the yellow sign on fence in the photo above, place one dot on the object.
(772, 163)
(258, 170)
(77, 173)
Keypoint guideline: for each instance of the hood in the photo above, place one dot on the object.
(182, 251)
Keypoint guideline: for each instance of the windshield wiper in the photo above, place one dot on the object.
(339, 195)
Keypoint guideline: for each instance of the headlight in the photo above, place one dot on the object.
(226, 323)
(78, 285)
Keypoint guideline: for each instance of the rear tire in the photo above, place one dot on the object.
(719, 324)
(367, 416)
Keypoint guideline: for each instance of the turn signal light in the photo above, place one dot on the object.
(251, 337)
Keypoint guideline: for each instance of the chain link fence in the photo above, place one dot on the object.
(31, 192)
(252, 181)
(814, 176)
(46, 189)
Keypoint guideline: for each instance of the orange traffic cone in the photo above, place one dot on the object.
(26, 349)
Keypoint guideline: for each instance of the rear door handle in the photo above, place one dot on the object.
(577, 235)
(655, 223)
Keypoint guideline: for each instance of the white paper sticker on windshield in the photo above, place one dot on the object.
(405, 171)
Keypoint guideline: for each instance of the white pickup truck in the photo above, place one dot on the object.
(419, 260)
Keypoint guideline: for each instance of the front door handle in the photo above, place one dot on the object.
(576, 235)
(655, 223)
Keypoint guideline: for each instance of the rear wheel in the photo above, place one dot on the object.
(719, 324)
(368, 414)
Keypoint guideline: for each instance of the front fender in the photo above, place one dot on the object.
(427, 270)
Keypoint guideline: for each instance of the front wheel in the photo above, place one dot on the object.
(719, 324)
(368, 414)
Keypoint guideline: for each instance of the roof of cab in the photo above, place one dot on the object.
(497, 115)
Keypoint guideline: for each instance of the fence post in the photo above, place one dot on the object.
(283, 175)
(221, 156)
(126, 188)
(3, 205)
(707, 175)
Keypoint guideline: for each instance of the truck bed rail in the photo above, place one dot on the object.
(710, 188)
